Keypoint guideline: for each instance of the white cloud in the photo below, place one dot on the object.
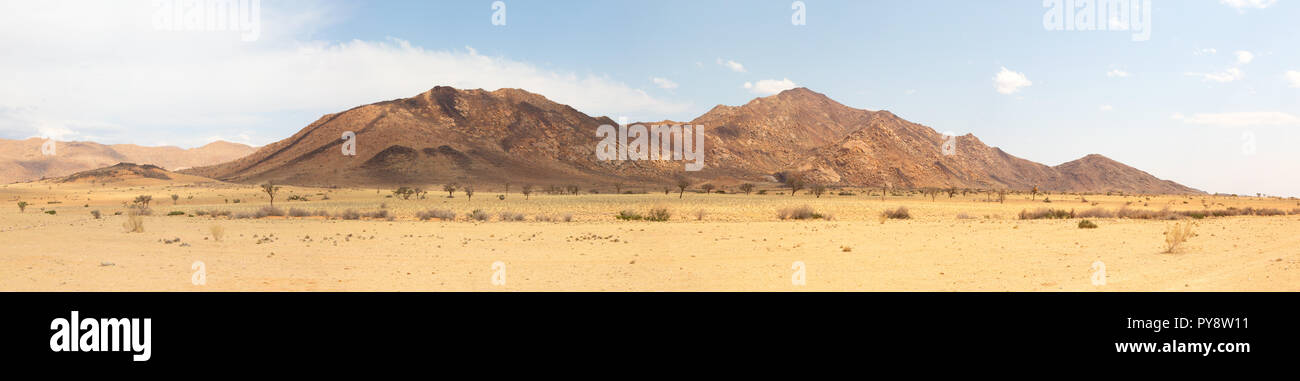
(1244, 57)
(1243, 4)
(1293, 77)
(664, 83)
(1106, 108)
(1206, 51)
(1009, 82)
(770, 86)
(733, 65)
(1117, 73)
(1241, 119)
(1229, 75)
(90, 66)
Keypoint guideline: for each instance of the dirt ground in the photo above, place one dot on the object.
(728, 242)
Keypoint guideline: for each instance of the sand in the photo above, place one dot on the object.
(738, 245)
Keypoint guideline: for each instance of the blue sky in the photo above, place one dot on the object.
(1209, 100)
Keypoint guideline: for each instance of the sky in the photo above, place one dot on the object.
(1202, 92)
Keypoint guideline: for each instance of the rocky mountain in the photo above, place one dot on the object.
(24, 160)
(509, 135)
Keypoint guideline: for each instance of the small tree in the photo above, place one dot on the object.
(682, 184)
(143, 200)
(469, 192)
(708, 188)
(174, 198)
(746, 187)
(818, 190)
(618, 188)
(270, 190)
(528, 190)
(796, 184)
(1035, 195)
(22, 206)
(450, 189)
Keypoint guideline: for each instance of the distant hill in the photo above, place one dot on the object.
(22, 160)
(130, 174)
(510, 135)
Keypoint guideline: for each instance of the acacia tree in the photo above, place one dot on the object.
(746, 187)
(174, 198)
(22, 206)
(818, 190)
(528, 190)
(682, 184)
(796, 184)
(450, 189)
(469, 192)
(708, 188)
(270, 190)
(1035, 195)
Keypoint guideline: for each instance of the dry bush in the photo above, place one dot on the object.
(901, 213)
(804, 212)
(629, 215)
(964, 216)
(295, 212)
(95, 213)
(134, 222)
(659, 214)
(217, 231)
(1096, 213)
(1176, 234)
(479, 215)
(381, 214)
(568, 217)
(1044, 213)
(510, 216)
(699, 215)
(350, 214)
(269, 211)
(1085, 224)
(440, 214)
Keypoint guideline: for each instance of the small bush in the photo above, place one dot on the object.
(699, 215)
(269, 211)
(350, 214)
(568, 217)
(1176, 234)
(175, 213)
(295, 212)
(134, 223)
(901, 213)
(964, 216)
(1085, 224)
(445, 215)
(381, 214)
(658, 214)
(1096, 213)
(479, 215)
(217, 231)
(510, 216)
(95, 213)
(51, 212)
(628, 215)
(798, 213)
(1042, 213)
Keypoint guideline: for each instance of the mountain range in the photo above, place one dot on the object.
(25, 160)
(514, 136)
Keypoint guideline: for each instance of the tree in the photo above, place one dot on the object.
(174, 198)
(270, 190)
(22, 206)
(1035, 196)
(746, 187)
(708, 188)
(469, 192)
(618, 188)
(952, 192)
(1002, 196)
(818, 190)
(143, 200)
(450, 189)
(796, 184)
(682, 184)
(528, 190)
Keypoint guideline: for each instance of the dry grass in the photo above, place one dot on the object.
(1177, 234)
(218, 232)
(899, 213)
(134, 222)
(804, 212)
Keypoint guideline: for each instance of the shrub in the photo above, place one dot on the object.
(243, 216)
(628, 215)
(699, 215)
(1176, 234)
(964, 216)
(479, 215)
(350, 214)
(51, 212)
(217, 232)
(269, 211)
(901, 213)
(798, 213)
(568, 217)
(1096, 213)
(381, 214)
(510, 216)
(175, 213)
(445, 215)
(1043, 213)
(1085, 224)
(295, 212)
(658, 214)
(134, 223)
(95, 213)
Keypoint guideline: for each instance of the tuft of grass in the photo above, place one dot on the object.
(381, 214)
(134, 222)
(350, 214)
(295, 212)
(1044, 213)
(479, 215)
(659, 214)
(175, 213)
(1096, 213)
(269, 211)
(440, 214)
(629, 215)
(1177, 234)
(508, 216)
(1085, 224)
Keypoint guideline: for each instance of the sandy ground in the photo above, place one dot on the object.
(739, 245)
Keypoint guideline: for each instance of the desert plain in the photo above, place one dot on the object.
(711, 242)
